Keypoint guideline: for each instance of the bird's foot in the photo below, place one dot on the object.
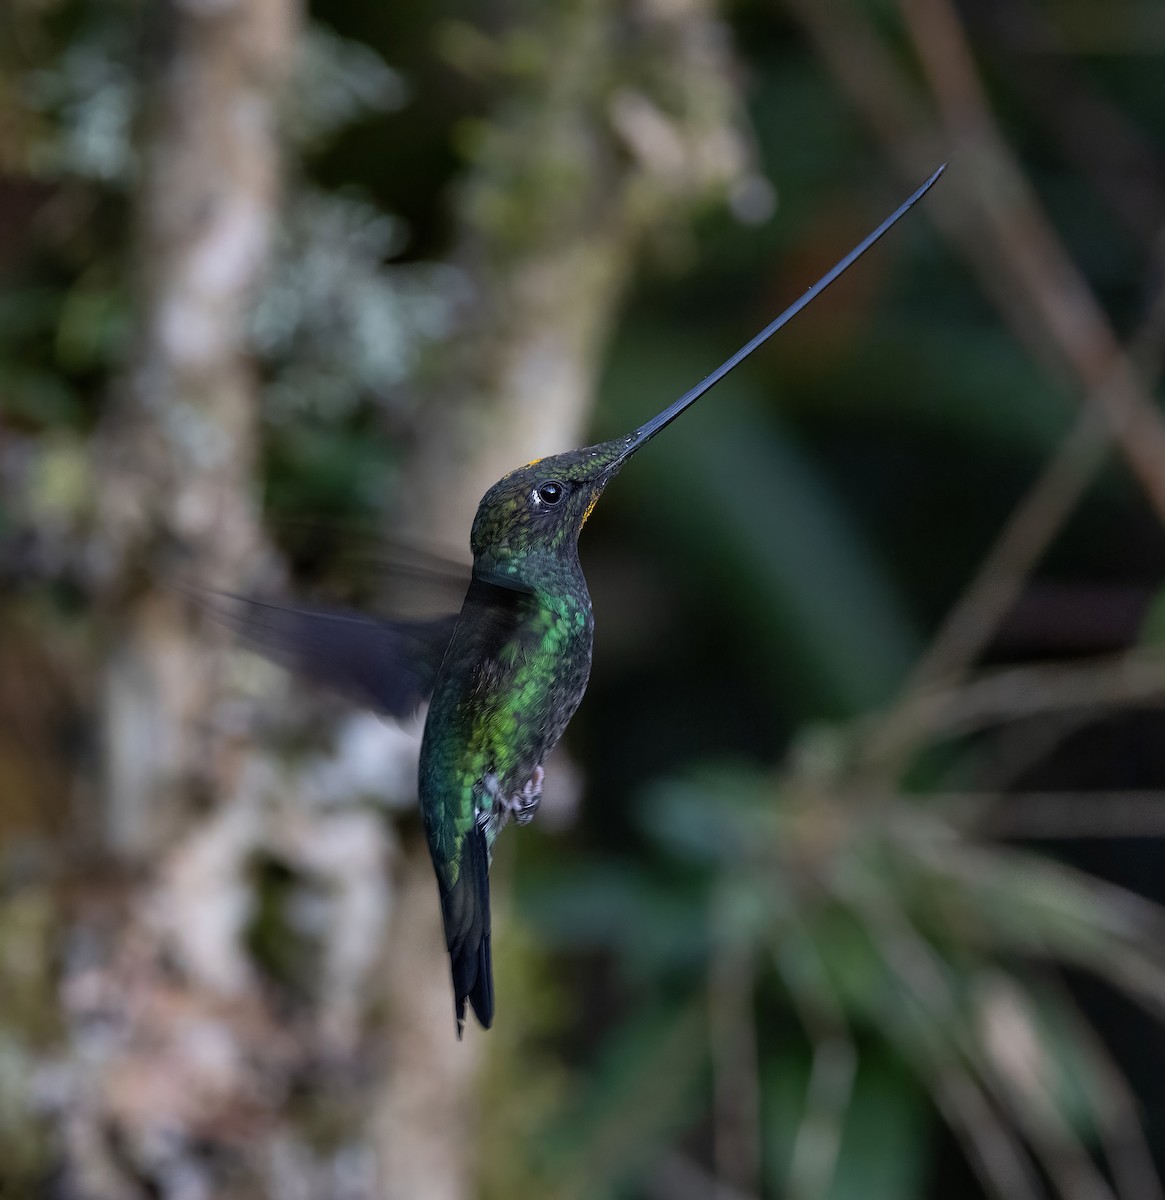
(521, 806)
(524, 804)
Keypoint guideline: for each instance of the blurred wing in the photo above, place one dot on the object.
(383, 664)
(403, 579)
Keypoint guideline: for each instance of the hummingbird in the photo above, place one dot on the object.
(504, 676)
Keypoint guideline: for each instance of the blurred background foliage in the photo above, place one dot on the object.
(837, 916)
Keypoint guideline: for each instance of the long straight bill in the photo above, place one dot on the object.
(651, 428)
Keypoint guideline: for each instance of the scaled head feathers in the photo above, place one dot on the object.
(543, 505)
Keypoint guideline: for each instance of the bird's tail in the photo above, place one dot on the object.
(465, 909)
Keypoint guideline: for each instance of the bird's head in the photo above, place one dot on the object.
(544, 505)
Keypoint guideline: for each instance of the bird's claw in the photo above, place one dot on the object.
(524, 804)
(521, 806)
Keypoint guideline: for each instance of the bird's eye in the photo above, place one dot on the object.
(550, 492)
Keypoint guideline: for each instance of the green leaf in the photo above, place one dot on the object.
(718, 814)
(883, 1152)
(652, 922)
(884, 1148)
(643, 1092)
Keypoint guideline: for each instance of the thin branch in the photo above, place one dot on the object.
(1024, 1095)
(989, 213)
(1034, 523)
(1122, 165)
(1121, 1134)
(996, 1156)
(1092, 814)
(1008, 213)
(920, 1026)
(733, 1050)
(1029, 530)
(827, 1100)
(997, 697)
(1020, 1073)
(835, 1061)
(1019, 748)
(939, 38)
(678, 1177)
(1065, 914)
(1002, 574)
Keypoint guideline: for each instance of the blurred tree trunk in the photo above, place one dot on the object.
(177, 483)
(613, 132)
(176, 477)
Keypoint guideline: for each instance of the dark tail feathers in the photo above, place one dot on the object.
(465, 909)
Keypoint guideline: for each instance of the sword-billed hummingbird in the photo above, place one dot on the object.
(506, 674)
